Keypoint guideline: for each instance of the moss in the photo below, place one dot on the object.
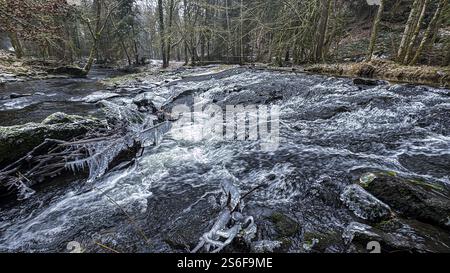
(387, 225)
(391, 173)
(321, 241)
(60, 117)
(286, 227)
(427, 185)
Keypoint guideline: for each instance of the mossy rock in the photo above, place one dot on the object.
(17, 141)
(319, 242)
(285, 226)
(413, 198)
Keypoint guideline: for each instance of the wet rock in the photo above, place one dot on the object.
(368, 82)
(366, 179)
(413, 235)
(145, 105)
(272, 227)
(396, 235)
(326, 190)
(413, 198)
(322, 242)
(266, 246)
(68, 70)
(360, 233)
(15, 95)
(59, 117)
(181, 229)
(185, 97)
(16, 141)
(285, 226)
(365, 205)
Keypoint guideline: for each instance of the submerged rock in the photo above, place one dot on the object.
(15, 95)
(365, 205)
(16, 141)
(427, 202)
(368, 82)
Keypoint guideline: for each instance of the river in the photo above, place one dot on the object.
(330, 132)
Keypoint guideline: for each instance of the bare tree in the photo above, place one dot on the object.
(374, 35)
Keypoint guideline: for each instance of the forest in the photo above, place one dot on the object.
(288, 32)
(224, 126)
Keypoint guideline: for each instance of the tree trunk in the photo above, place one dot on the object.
(227, 15)
(416, 31)
(430, 32)
(169, 31)
(407, 32)
(323, 24)
(241, 40)
(135, 46)
(15, 42)
(162, 33)
(376, 24)
(94, 48)
(185, 18)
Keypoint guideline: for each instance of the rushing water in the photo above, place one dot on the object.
(331, 131)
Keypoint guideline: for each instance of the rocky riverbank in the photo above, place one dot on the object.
(387, 70)
(17, 70)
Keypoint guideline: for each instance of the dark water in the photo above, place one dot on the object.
(331, 131)
(35, 100)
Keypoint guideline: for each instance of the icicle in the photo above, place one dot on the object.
(133, 129)
(23, 191)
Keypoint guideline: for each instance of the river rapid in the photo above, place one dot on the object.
(330, 132)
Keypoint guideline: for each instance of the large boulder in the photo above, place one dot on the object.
(365, 205)
(425, 201)
(17, 141)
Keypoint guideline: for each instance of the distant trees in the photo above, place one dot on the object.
(206, 31)
(430, 33)
(102, 11)
(35, 21)
(413, 28)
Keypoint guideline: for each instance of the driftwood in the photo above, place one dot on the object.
(98, 151)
